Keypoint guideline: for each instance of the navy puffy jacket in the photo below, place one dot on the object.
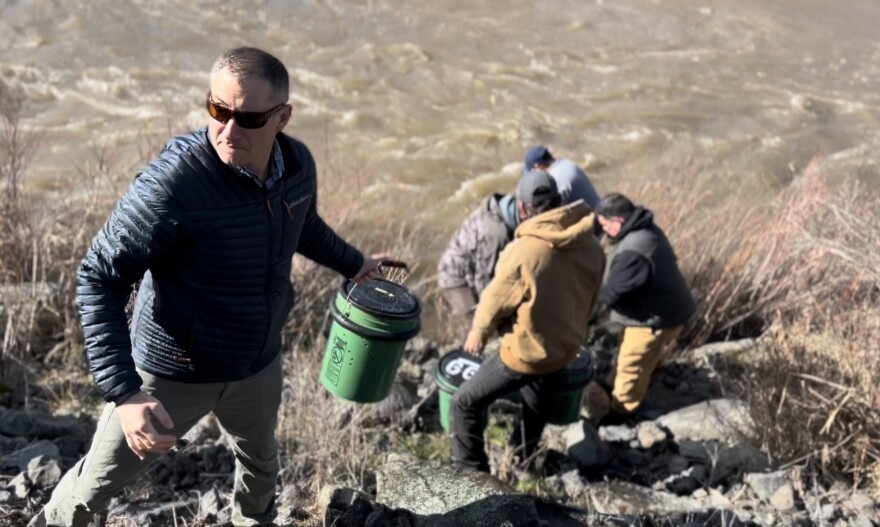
(214, 250)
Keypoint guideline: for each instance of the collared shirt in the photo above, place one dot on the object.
(276, 169)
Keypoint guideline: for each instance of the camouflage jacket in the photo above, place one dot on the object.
(469, 259)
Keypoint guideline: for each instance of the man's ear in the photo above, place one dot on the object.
(523, 212)
(286, 113)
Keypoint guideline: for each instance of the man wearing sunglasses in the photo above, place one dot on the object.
(210, 228)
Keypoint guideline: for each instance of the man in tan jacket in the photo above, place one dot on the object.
(545, 288)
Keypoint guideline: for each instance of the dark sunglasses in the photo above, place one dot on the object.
(249, 120)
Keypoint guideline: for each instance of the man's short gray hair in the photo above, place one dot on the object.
(253, 63)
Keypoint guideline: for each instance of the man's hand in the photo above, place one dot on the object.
(473, 344)
(370, 268)
(136, 416)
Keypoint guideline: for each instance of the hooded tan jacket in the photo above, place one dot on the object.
(545, 289)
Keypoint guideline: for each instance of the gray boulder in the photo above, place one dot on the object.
(44, 473)
(862, 505)
(722, 352)
(650, 434)
(765, 485)
(20, 459)
(576, 486)
(619, 497)
(37, 425)
(406, 482)
(783, 499)
(726, 420)
(617, 434)
(21, 486)
(419, 349)
(416, 493)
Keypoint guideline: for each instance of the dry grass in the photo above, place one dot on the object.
(42, 241)
(800, 267)
(322, 437)
(815, 391)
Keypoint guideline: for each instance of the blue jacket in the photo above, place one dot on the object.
(214, 251)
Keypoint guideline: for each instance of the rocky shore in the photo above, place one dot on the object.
(690, 458)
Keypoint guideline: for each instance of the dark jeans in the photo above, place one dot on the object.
(468, 410)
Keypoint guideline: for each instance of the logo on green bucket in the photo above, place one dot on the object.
(457, 366)
(337, 355)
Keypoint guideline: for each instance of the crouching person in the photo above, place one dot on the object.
(545, 288)
(468, 263)
(647, 295)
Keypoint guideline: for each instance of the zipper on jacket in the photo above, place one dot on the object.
(268, 301)
(284, 221)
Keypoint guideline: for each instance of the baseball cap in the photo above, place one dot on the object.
(536, 154)
(537, 188)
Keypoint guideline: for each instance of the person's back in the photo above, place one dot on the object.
(573, 183)
(468, 263)
(560, 264)
(545, 288)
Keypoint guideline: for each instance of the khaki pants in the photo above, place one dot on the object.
(641, 351)
(248, 412)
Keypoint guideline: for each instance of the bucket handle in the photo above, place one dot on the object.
(396, 264)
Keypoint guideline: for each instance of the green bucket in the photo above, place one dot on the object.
(564, 405)
(370, 326)
(453, 370)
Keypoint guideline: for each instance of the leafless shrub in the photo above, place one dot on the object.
(815, 390)
(803, 268)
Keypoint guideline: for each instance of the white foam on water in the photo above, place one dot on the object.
(474, 186)
(604, 69)
(771, 142)
(448, 88)
(383, 187)
(311, 79)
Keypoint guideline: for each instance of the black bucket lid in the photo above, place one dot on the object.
(382, 297)
(456, 367)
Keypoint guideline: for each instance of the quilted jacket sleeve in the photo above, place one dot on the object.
(139, 230)
(318, 242)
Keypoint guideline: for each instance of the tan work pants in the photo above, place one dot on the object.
(641, 351)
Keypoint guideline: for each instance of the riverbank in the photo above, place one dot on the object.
(797, 270)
